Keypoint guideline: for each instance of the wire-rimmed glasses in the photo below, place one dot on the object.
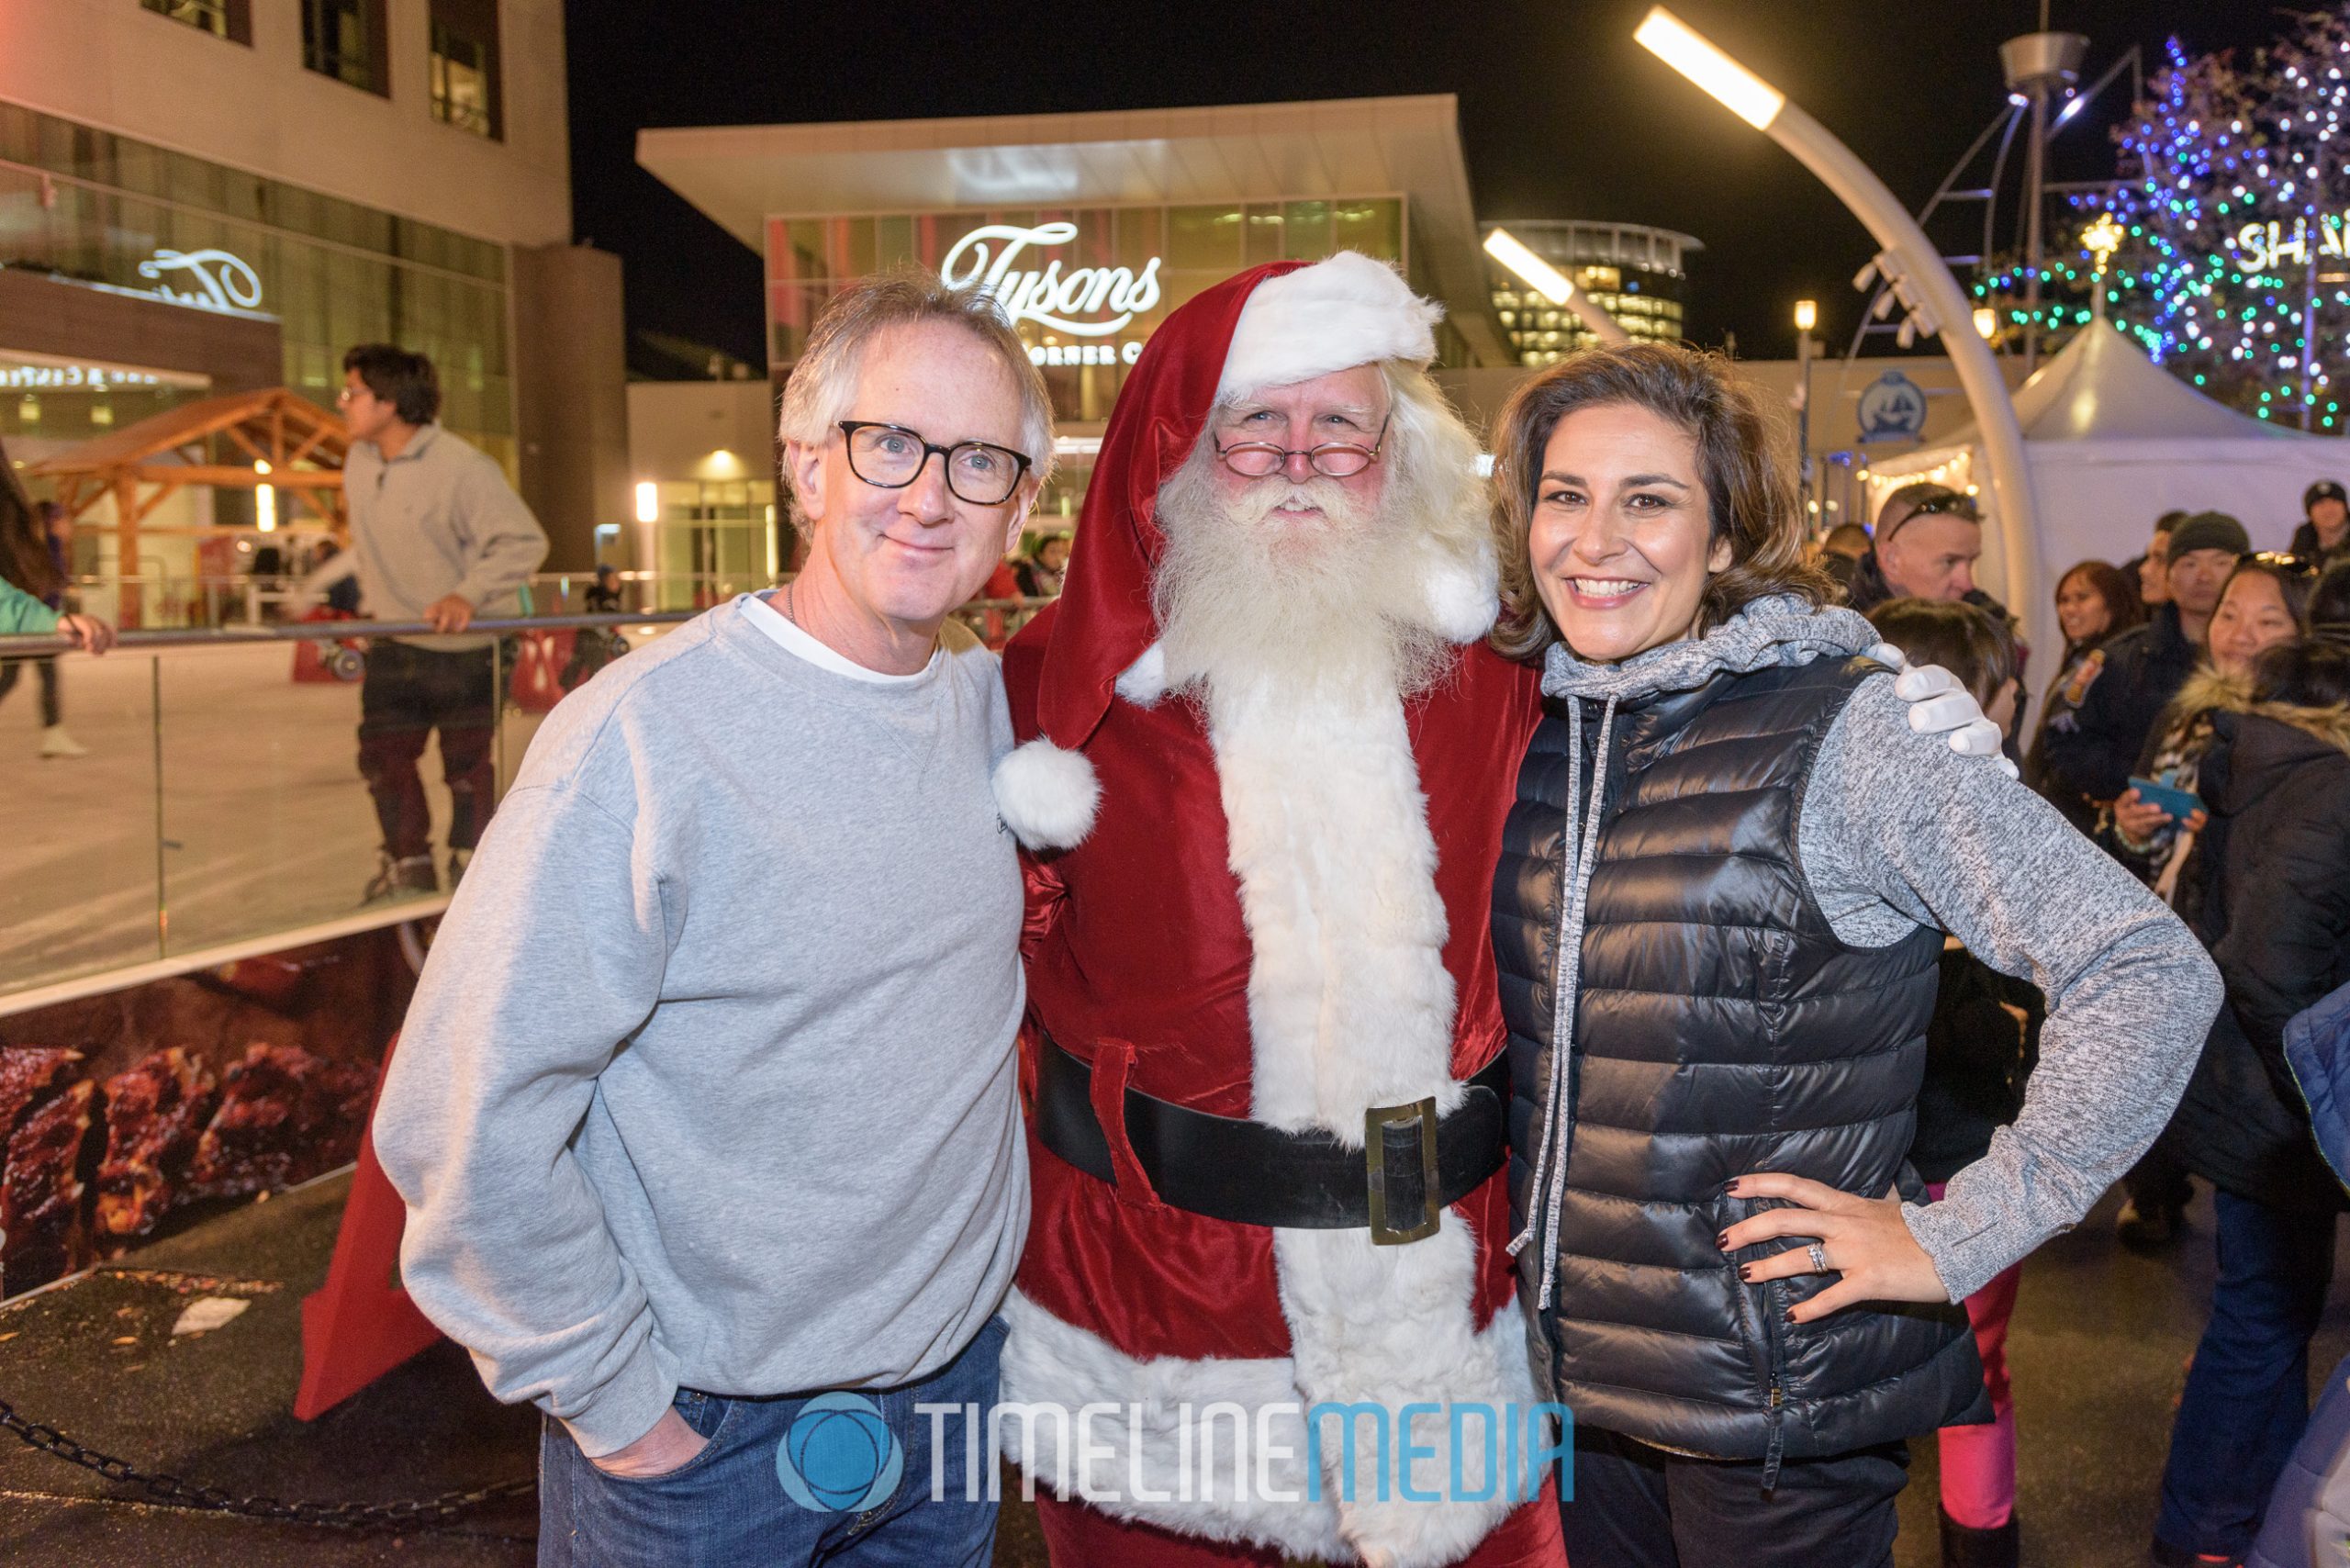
(1332, 459)
(891, 457)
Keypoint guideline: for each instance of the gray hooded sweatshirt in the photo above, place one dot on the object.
(1897, 832)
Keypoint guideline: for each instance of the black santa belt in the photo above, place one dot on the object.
(1245, 1172)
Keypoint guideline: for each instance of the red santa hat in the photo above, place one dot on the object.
(1271, 326)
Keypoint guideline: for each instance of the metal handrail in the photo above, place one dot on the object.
(15, 647)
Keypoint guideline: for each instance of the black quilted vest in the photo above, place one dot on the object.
(1722, 1029)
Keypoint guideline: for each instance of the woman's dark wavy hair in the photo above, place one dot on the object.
(2330, 601)
(2123, 608)
(24, 537)
(1750, 485)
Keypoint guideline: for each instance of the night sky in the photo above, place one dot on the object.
(1561, 114)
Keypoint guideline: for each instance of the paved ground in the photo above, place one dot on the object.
(260, 824)
(2099, 1344)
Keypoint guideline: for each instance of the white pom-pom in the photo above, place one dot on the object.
(1143, 681)
(1463, 598)
(1046, 795)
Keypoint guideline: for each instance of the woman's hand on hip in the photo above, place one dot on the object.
(1861, 1240)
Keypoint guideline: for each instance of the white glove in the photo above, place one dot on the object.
(1939, 705)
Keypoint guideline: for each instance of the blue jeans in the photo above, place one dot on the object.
(2248, 1393)
(733, 1503)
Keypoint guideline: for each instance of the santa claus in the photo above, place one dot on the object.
(1266, 763)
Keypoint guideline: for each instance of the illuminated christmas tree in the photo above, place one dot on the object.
(2234, 185)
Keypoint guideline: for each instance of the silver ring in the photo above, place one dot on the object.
(1819, 1257)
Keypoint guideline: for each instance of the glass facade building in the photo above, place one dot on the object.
(1635, 273)
(1085, 287)
(108, 211)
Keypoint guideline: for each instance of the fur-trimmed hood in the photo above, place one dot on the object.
(2209, 692)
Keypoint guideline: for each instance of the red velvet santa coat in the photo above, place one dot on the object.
(1139, 960)
(1267, 897)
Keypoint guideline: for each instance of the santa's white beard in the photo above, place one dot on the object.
(1335, 601)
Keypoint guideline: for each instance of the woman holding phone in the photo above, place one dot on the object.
(2264, 602)
(1718, 916)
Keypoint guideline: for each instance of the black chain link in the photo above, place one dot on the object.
(172, 1492)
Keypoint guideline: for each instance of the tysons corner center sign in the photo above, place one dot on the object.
(1086, 302)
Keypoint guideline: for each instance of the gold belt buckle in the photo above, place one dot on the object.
(1374, 1122)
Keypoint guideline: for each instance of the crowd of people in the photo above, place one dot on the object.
(2194, 728)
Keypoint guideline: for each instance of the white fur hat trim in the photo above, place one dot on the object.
(1338, 313)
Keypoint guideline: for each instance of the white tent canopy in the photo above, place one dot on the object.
(2113, 442)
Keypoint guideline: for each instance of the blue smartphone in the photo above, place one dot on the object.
(2180, 803)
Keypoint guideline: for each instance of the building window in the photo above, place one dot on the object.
(345, 40)
(230, 19)
(464, 66)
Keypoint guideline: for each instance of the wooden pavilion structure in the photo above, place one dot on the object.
(220, 442)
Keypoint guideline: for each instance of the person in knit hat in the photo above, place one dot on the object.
(1266, 756)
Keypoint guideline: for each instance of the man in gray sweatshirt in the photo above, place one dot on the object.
(437, 535)
(705, 1110)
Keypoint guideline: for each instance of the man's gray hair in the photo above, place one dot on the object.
(823, 383)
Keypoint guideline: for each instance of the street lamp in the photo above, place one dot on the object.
(1553, 284)
(1908, 262)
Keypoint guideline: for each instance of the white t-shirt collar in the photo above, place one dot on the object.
(792, 640)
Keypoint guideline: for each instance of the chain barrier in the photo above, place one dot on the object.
(170, 1491)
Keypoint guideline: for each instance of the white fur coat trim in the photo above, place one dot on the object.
(1144, 1441)
(1046, 795)
(1344, 312)
(1350, 1006)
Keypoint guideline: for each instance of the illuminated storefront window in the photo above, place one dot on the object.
(50, 398)
(1084, 286)
(712, 540)
(117, 214)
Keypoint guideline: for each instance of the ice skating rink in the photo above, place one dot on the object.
(219, 801)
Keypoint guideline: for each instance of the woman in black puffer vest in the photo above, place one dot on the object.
(1718, 918)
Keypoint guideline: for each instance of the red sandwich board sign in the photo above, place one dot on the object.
(361, 1324)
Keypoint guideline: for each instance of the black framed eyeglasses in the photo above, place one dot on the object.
(1332, 459)
(891, 457)
(2282, 561)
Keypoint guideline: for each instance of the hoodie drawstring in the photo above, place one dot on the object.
(1580, 843)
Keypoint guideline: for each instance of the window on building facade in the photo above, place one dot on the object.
(345, 40)
(230, 19)
(465, 88)
(331, 271)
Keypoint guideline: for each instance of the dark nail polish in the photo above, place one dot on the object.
(1722, 1242)
(1791, 1315)
(1746, 1272)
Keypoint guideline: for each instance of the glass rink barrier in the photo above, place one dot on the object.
(202, 796)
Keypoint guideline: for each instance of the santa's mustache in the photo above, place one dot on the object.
(1260, 500)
